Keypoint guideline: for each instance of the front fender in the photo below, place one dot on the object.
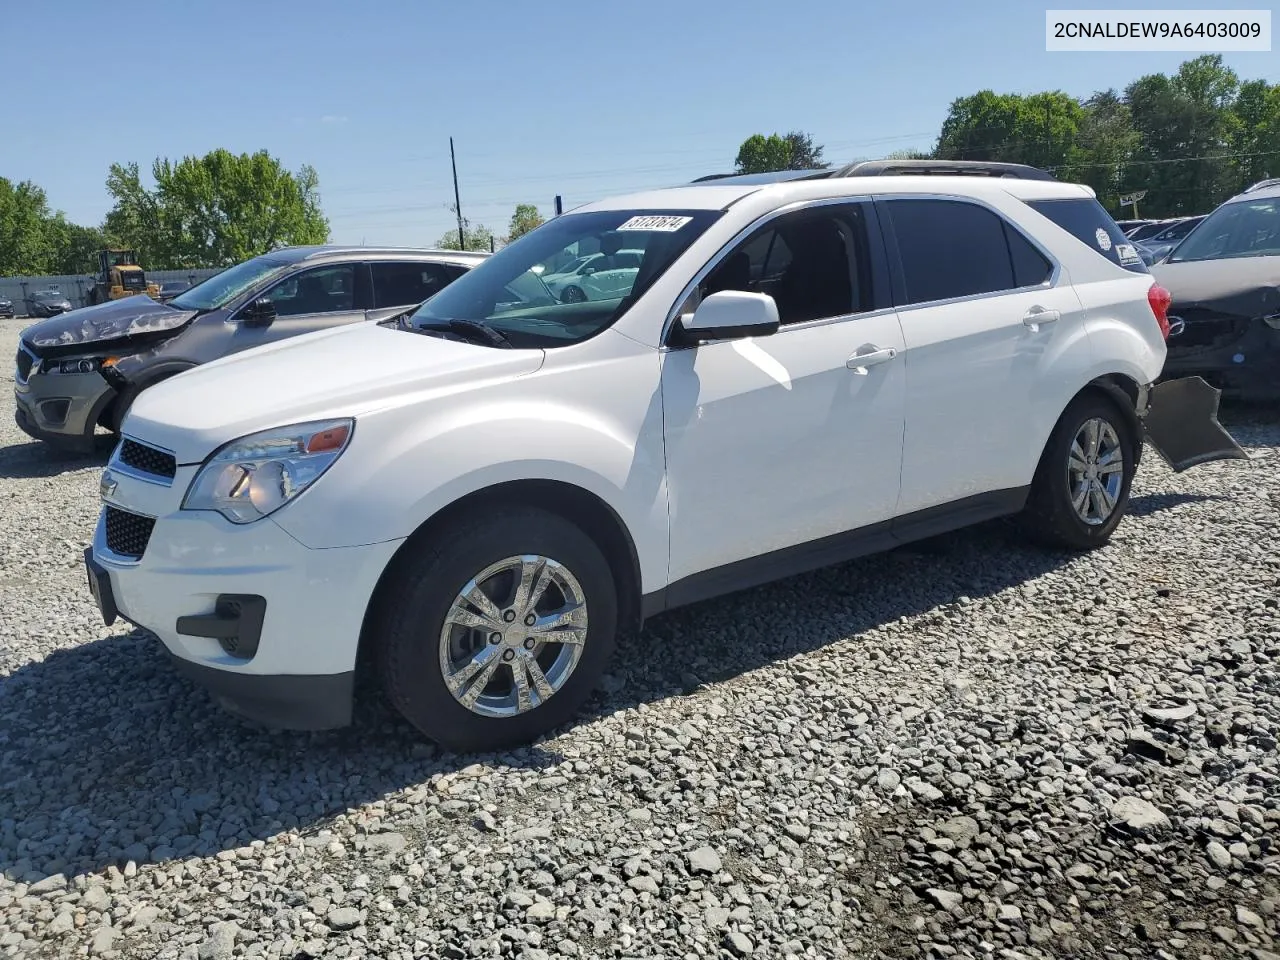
(402, 469)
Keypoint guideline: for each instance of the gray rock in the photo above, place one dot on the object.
(1138, 815)
(541, 911)
(946, 899)
(1218, 855)
(102, 941)
(739, 943)
(344, 918)
(52, 884)
(704, 860)
(1168, 715)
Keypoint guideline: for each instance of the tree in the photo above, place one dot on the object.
(805, 154)
(525, 218)
(1038, 129)
(761, 154)
(215, 210)
(909, 154)
(24, 237)
(478, 237)
(75, 248)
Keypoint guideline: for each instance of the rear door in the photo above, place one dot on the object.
(401, 284)
(312, 299)
(984, 311)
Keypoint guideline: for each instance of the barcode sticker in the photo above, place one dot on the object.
(656, 224)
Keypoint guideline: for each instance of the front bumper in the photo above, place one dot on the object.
(1240, 358)
(287, 661)
(62, 408)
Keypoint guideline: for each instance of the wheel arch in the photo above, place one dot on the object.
(597, 518)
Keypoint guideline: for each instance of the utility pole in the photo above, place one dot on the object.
(457, 202)
(559, 205)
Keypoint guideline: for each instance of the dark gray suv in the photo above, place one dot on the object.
(82, 369)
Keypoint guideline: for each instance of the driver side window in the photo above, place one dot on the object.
(323, 290)
(813, 262)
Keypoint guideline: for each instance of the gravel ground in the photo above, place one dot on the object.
(970, 748)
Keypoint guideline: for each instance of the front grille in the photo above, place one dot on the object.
(147, 459)
(25, 362)
(127, 533)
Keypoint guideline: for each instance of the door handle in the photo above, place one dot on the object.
(859, 362)
(1038, 315)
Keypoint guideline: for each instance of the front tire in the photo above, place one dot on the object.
(497, 630)
(1081, 487)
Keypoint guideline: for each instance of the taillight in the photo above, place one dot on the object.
(1160, 300)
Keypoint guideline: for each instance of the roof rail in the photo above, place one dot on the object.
(942, 168)
(774, 176)
(890, 168)
(1263, 184)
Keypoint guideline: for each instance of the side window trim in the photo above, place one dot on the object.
(898, 275)
(880, 294)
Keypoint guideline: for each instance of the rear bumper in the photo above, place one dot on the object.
(1180, 420)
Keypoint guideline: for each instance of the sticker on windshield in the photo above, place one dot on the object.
(1104, 241)
(656, 224)
(1128, 254)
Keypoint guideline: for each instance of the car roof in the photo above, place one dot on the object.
(720, 195)
(340, 252)
(1263, 189)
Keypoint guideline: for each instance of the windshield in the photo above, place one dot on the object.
(222, 288)
(506, 293)
(576, 265)
(1246, 228)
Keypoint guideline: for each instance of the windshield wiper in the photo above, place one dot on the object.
(476, 330)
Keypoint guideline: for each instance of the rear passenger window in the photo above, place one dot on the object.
(1030, 268)
(405, 284)
(949, 249)
(1088, 221)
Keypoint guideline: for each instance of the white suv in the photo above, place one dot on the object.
(484, 496)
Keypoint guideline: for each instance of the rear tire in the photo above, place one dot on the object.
(1081, 487)
(430, 663)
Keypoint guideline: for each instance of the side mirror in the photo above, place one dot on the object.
(259, 313)
(729, 315)
(588, 271)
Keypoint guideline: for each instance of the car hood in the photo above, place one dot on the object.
(1231, 287)
(105, 324)
(347, 371)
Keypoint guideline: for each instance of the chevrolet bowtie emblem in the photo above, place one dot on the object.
(107, 485)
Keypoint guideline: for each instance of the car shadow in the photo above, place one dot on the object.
(1149, 503)
(26, 461)
(108, 755)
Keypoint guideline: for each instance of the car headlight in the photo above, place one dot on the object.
(256, 475)
(77, 365)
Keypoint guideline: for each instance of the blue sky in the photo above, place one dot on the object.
(581, 99)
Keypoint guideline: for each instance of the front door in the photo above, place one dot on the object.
(311, 300)
(775, 442)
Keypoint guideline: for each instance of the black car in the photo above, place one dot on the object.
(1225, 280)
(47, 303)
(6, 307)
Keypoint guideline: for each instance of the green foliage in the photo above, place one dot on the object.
(214, 210)
(805, 154)
(25, 244)
(792, 151)
(1190, 140)
(478, 237)
(525, 218)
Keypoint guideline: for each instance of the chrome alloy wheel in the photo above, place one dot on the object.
(513, 636)
(1095, 471)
